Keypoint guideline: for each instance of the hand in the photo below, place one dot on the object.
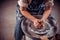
(36, 23)
(43, 38)
(42, 22)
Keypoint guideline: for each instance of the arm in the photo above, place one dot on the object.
(23, 9)
(47, 11)
(26, 14)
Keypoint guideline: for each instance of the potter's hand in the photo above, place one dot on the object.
(42, 22)
(36, 23)
(43, 38)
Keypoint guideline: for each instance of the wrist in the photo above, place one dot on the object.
(34, 20)
(43, 19)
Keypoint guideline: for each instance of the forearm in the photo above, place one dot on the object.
(48, 5)
(46, 14)
(26, 14)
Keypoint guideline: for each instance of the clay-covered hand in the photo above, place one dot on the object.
(36, 23)
(42, 22)
(43, 38)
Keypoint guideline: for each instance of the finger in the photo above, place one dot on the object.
(39, 25)
(44, 38)
(43, 24)
(36, 25)
(39, 20)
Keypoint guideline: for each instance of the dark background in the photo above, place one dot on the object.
(8, 18)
